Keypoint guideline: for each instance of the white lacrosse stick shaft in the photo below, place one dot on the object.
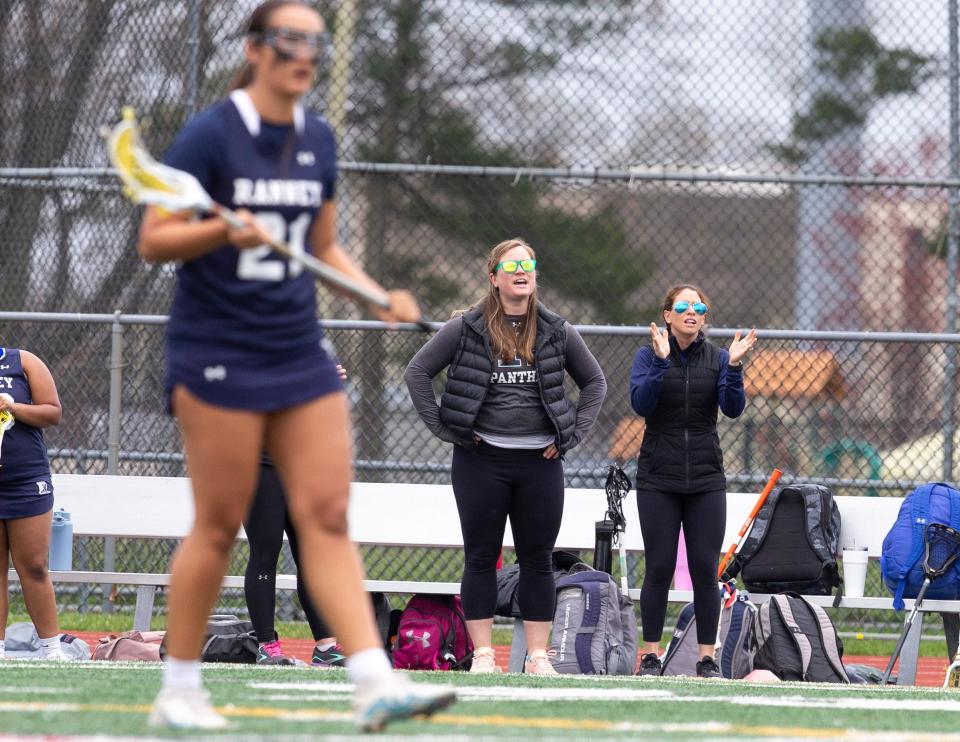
(150, 182)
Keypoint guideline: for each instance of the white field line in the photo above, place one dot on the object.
(639, 694)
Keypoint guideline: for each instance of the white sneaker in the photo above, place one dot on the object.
(539, 664)
(392, 697)
(484, 661)
(56, 655)
(185, 708)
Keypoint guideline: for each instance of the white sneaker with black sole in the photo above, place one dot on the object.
(378, 701)
(185, 708)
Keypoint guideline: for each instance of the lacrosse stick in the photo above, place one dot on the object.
(146, 181)
(774, 477)
(941, 547)
(6, 418)
(617, 486)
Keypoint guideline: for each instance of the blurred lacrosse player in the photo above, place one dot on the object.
(28, 403)
(248, 368)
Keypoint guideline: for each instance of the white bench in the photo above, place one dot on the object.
(419, 515)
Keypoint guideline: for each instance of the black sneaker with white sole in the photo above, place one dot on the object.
(707, 668)
(650, 665)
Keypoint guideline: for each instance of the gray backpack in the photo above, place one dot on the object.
(22, 642)
(796, 640)
(735, 658)
(594, 627)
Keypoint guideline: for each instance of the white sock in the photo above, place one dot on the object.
(3, 648)
(181, 673)
(49, 647)
(324, 646)
(367, 664)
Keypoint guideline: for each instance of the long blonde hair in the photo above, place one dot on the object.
(506, 343)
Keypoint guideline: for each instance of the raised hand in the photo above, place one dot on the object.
(660, 341)
(739, 347)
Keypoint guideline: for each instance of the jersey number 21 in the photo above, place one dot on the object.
(253, 265)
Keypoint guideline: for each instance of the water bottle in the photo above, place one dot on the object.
(61, 542)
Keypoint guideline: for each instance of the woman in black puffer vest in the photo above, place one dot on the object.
(677, 384)
(505, 409)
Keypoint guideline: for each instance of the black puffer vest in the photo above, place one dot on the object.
(469, 376)
(681, 449)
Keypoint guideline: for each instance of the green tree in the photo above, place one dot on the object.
(848, 55)
(433, 233)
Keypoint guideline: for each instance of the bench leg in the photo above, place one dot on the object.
(518, 648)
(911, 653)
(144, 608)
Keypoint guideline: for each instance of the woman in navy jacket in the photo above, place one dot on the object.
(677, 384)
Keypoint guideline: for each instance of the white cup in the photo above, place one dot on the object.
(855, 560)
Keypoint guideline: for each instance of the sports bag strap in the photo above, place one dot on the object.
(839, 596)
(919, 512)
(759, 528)
(588, 627)
(828, 639)
(782, 604)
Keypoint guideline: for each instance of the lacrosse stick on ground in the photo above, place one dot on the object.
(941, 547)
(147, 181)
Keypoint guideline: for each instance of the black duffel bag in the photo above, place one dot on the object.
(228, 639)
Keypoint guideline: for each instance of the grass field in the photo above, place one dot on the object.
(112, 699)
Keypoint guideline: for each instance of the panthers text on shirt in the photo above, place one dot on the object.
(523, 374)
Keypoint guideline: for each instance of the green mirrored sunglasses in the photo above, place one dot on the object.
(511, 266)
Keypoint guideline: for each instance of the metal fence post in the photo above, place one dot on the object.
(192, 82)
(953, 237)
(113, 441)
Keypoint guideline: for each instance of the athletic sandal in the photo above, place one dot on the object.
(327, 658)
(484, 661)
(185, 708)
(707, 668)
(271, 653)
(650, 665)
(539, 664)
(392, 697)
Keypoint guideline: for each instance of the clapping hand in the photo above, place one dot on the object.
(660, 340)
(739, 347)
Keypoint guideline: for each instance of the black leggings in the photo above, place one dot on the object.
(489, 484)
(704, 519)
(265, 524)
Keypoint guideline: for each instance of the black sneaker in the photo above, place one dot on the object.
(707, 668)
(650, 665)
(333, 657)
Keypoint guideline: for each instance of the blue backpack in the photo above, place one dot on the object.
(901, 561)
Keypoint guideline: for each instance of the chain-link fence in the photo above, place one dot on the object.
(798, 160)
(824, 407)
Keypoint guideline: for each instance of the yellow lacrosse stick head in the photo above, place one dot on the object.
(147, 181)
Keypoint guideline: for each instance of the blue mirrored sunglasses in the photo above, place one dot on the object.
(698, 306)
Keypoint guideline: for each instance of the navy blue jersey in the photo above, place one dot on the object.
(25, 487)
(243, 322)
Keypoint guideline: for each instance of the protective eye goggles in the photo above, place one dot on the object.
(698, 306)
(291, 44)
(510, 266)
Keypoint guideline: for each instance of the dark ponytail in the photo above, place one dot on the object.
(258, 23)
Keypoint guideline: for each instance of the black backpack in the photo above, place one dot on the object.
(229, 640)
(796, 640)
(793, 544)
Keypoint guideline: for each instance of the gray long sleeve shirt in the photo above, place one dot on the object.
(512, 406)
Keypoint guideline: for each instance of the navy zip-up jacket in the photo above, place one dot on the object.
(681, 451)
